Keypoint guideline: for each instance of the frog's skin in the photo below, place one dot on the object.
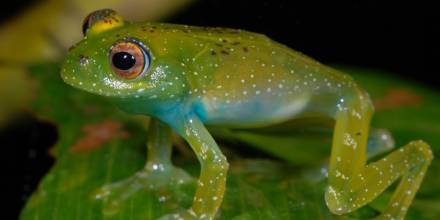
(212, 76)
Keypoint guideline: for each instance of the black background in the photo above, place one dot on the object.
(401, 38)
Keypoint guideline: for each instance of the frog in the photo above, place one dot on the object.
(186, 78)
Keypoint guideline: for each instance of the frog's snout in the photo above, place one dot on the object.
(73, 70)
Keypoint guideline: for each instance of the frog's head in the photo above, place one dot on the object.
(118, 59)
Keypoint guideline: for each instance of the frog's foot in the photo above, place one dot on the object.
(154, 177)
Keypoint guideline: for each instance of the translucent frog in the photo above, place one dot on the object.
(187, 77)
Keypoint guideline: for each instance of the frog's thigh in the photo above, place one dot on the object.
(214, 167)
(352, 183)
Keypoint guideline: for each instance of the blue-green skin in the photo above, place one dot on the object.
(213, 76)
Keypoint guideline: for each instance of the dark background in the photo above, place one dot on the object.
(401, 38)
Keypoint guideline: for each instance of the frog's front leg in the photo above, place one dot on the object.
(353, 183)
(159, 172)
(214, 168)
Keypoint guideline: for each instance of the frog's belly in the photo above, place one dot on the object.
(250, 113)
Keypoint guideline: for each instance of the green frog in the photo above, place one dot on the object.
(186, 78)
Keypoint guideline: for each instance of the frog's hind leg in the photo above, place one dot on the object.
(379, 141)
(353, 183)
(158, 173)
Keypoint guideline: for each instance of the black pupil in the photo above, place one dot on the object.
(123, 60)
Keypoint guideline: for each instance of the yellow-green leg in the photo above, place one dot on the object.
(353, 183)
(159, 172)
(214, 167)
(379, 142)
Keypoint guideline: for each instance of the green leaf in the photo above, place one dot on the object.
(269, 176)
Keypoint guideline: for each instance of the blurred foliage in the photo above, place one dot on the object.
(98, 144)
(15, 92)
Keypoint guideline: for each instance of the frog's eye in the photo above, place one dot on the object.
(128, 59)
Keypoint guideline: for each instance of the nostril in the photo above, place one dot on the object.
(83, 60)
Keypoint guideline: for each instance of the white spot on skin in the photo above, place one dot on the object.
(349, 141)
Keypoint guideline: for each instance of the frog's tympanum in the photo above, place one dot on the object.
(186, 77)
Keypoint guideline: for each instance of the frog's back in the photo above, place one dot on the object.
(239, 76)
